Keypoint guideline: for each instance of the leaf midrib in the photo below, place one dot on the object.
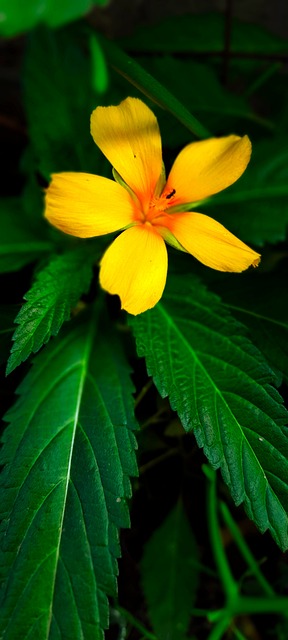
(85, 360)
(195, 358)
(216, 394)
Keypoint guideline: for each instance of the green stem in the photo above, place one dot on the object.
(250, 605)
(238, 634)
(229, 584)
(244, 549)
(220, 627)
(147, 84)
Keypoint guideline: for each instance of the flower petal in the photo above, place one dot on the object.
(85, 205)
(129, 137)
(206, 167)
(135, 268)
(209, 242)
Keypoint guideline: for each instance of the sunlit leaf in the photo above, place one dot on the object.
(69, 452)
(222, 389)
(170, 577)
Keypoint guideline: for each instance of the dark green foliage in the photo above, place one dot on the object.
(19, 245)
(59, 111)
(6, 331)
(170, 577)
(259, 303)
(220, 385)
(69, 449)
(199, 33)
(259, 198)
(68, 454)
(222, 114)
(49, 302)
(18, 17)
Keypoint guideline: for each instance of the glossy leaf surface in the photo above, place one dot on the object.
(222, 389)
(69, 452)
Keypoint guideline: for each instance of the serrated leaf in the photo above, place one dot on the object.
(258, 201)
(68, 453)
(56, 290)
(221, 387)
(260, 303)
(18, 244)
(170, 578)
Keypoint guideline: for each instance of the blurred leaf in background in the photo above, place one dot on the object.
(16, 16)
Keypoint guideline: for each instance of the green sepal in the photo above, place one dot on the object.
(122, 183)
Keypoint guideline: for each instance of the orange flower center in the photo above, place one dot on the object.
(157, 208)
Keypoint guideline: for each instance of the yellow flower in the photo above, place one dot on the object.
(150, 209)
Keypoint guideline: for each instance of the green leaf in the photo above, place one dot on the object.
(170, 578)
(260, 303)
(56, 290)
(57, 80)
(255, 208)
(18, 244)
(147, 84)
(221, 387)
(17, 17)
(69, 452)
(199, 89)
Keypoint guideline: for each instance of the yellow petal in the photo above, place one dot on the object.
(85, 205)
(206, 167)
(209, 242)
(129, 137)
(135, 268)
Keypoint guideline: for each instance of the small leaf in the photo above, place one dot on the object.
(69, 452)
(18, 244)
(55, 292)
(221, 387)
(170, 577)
